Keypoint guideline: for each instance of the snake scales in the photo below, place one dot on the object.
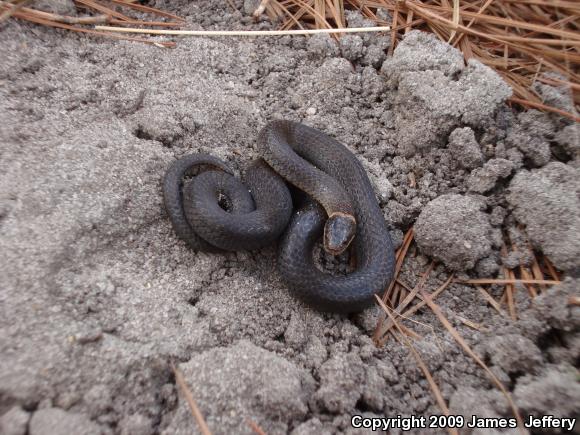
(214, 210)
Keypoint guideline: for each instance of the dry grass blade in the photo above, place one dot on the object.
(435, 308)
(432, 384)
(190, 401)
(241, 32)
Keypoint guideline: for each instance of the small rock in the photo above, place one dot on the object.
(511, 260)
(372, 394)
(136, 424)
(419, 70)
(315, 352)
(536, 150)
(14, 422)
(465, 148)
(296, 333)
(351, 47)
(556, 392)
(341, 382)
(322, 45)
(250, 6)
(419, 51)
(497, 216)
(547, 202)
(487, 267)
(242, 380)
(516, 157)
(452, 229)
(99, 400)
(531, 135)
(375, 54)
(89, 336)
(484, 179)
(560, 97)
(513, 353)
(569, 139)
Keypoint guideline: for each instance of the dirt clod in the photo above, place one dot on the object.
(546, 201)
(452, 229)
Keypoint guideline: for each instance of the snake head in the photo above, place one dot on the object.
(339, 231)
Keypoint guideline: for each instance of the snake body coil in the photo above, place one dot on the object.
(215, 210)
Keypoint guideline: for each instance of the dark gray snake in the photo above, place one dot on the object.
(214, 210)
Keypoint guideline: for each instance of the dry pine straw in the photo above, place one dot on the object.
(521, 39)
(398, 296)
(525, 41)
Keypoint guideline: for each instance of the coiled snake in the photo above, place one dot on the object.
(214, 210)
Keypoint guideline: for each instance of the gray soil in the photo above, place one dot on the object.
(98, 297)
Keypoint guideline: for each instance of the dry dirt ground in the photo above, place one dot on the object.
(98, 297)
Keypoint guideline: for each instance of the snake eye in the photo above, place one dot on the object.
(339, 231)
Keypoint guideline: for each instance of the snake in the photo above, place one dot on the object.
(212, 210)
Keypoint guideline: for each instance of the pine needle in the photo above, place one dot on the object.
(432, 384)
(105, 15)
(191, 401)
(489, 299)
(507, 281)
(400, 258)
(254, 426)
